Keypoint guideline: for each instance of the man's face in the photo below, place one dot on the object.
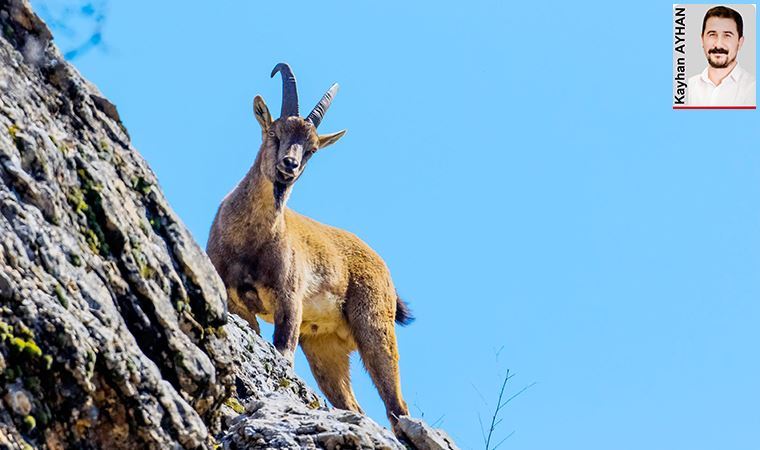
(721, 41)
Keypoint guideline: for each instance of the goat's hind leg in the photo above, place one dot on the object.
(373, 328)
(328, 357)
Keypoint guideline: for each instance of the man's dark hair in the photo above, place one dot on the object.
(727, 13)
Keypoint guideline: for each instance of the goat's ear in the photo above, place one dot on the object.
(261, 112)
(330, 139)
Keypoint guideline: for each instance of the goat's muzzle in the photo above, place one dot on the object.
(289, 164)
(287, 170)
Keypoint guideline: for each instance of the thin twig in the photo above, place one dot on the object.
(482, 431)
(495, 419)
(502, 441)
(520, 392)
(496, 411)
(485, 402)
(422, 413)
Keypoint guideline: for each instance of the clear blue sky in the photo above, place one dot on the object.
(519, 168)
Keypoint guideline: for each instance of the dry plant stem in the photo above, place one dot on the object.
(495, 419)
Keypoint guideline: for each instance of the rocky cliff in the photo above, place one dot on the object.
(113, 326)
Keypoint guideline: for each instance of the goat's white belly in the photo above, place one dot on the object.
(322, 313)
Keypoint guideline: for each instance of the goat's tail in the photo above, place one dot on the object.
(403, 313)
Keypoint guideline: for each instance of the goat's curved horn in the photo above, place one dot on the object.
(316, 114)
(289, 92)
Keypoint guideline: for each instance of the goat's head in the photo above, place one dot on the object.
(289, 142)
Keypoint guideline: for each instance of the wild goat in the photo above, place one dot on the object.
(319, 285)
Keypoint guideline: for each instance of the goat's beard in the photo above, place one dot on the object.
(279, 194)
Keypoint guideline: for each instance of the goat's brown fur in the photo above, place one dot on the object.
(320, 286)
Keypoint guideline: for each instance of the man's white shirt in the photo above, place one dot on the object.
(737, 89)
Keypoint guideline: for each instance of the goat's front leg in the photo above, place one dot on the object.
(287, 325)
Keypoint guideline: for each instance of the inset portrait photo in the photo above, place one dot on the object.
(714, 52)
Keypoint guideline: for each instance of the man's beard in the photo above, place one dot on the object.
(716, 64)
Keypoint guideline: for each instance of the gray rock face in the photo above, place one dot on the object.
(110, 313)
(278, 423)
(424, 436)
(114, 332)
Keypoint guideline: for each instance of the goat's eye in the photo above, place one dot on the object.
(271, 133)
